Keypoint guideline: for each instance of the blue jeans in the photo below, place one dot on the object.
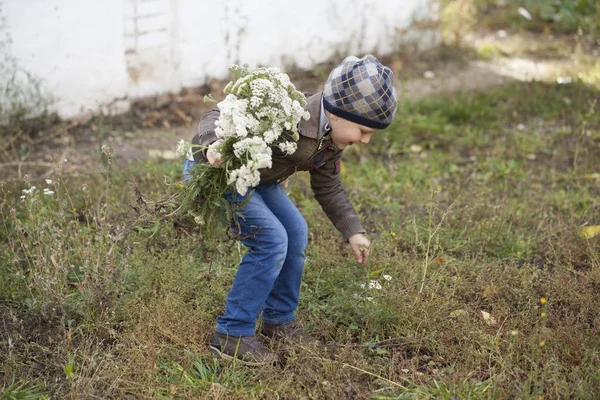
(269, 277)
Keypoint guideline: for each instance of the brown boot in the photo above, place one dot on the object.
(246, 349)
(291, 331)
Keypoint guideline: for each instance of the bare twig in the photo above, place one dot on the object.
(28, 164)
(378, 376)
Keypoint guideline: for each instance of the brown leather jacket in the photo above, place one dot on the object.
(314, 154)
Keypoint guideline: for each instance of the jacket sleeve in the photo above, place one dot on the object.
(205, 134)
(326, 185)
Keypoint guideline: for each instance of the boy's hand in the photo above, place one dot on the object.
(360, 245)
(214, 158)
(214, 161)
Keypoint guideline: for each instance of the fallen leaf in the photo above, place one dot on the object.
(589, 231)
(524, 13)
(415, 148)
(487, 317)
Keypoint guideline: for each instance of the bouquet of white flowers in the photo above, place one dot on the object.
(261, 112)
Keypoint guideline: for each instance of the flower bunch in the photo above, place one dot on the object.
(259, 115)
(262, 110)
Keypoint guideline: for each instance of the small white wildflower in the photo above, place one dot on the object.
(48, 192)
(23, 197)
(374, 285)
(183, 147)
(288, 147)
(362, 285)
(84, 188)
(270, 136)
(387, 277)
(49, 181)
(244, 178)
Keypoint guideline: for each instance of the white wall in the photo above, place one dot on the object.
(92, 53)
(75, 47)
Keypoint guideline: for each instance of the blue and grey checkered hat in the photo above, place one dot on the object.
(361, 91)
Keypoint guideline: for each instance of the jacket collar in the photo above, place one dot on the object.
(310, 128)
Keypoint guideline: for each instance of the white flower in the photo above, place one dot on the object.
(251, 147)
(244, 178)
(23, 197)
(270, 136)
(30, 190)
(49, 181)
(387, 277)
(288, 147)
(374, 285)
(183, 148)
(48, 192)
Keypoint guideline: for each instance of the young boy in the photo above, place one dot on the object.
(358, 99)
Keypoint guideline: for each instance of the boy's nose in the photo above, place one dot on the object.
(366, 139)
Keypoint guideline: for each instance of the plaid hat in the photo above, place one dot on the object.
(361, 91)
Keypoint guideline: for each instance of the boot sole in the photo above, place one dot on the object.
(215, 351)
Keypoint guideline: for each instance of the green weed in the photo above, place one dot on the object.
(22, 391)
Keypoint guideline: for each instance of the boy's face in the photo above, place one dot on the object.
(346, 133)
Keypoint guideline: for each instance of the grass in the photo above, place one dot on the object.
(473, 202)
(559, 17)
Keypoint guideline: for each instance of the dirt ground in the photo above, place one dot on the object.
(154, 126)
